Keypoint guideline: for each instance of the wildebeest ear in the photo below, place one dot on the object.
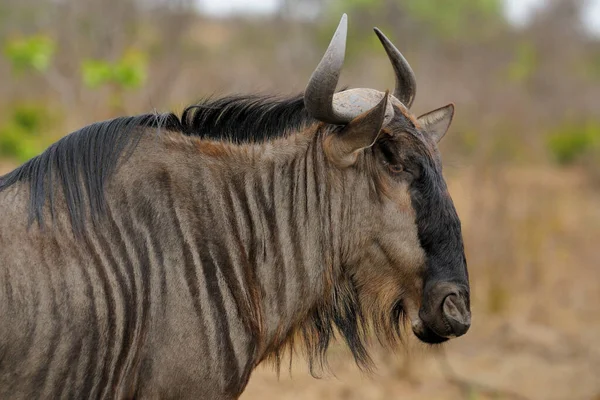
(343, 147)
(437, 122)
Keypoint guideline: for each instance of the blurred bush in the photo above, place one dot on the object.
(129, 72)
(36, 54)
(573, 140)
(446, 21)
(24, 134)
(26, 53)
(455, 19)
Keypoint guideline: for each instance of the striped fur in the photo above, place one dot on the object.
(158, 257)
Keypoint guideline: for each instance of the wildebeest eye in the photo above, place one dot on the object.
(396, 168)
(392, 160)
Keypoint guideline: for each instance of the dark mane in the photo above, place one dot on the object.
(83, 161)
(244, 119)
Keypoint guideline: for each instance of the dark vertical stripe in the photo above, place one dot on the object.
(130, 314)
(41, 377)
(111, 306)
(305, 188)
(163, 189)
(67, 381)
(8, 290)
(263, 215)
(91, 335)
(147, 213)
(276, 239)
(189, 265)
(220, 318)
(322, 194)
(68, 365)
(293, 221)
(316, 180)
(252, 284)
(211, 259)
(253, 239)
(265, 198)
(108, 373)
(144, 268)
(32, 325)
(242, 296)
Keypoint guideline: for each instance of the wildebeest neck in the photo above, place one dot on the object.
(265, 214)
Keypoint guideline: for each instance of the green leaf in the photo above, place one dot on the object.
(130, 71)
(572, 140)
(34, 52)
(23, 131)
(96, 73)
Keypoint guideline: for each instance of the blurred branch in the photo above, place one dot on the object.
(175, 27)
(63, 86)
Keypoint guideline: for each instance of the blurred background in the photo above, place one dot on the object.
(522, 158)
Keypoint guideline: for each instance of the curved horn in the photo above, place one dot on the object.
(406, 83)
(320, 99)
(318, 96)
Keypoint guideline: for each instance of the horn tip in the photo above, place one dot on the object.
(382, 38)
(344, 20)
(342, 28)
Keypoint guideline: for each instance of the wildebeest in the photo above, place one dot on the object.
(159, 256)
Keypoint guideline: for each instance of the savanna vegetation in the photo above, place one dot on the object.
(522, 158)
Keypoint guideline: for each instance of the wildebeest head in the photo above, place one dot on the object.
(404, 244)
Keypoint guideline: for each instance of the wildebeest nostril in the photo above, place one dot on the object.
(457, 314)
